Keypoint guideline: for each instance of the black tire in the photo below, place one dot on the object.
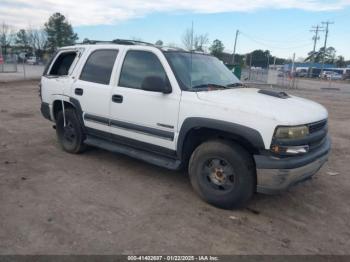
(222, 173)
(71, 136)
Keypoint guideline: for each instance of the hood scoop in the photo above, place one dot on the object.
(282, 95)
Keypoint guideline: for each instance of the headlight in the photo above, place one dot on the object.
(283, 140)
(291, 132)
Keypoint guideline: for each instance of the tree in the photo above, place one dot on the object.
(22, 39)
(6, 37)
(187, 39)
(194, 42)
(200, 41)
(159, 42)
(217, 48)
(37, 41)
(59, 32)
(317, 56)
(340, 62)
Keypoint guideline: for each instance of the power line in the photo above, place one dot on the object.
(290, 39)
(274, 47)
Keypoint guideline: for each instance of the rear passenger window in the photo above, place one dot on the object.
(98, 67)
(138, 65)
(62, 64)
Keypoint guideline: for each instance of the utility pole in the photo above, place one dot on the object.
(250, 64)
(315, 29)
(192, 37)
(268, 62)
(234, 48)
(292, 74)
(325, 43)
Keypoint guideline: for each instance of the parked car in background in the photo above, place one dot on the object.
(32, 60)
(330, 75)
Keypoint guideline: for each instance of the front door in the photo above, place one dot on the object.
(145, 116)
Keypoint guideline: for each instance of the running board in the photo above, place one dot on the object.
(158, 160)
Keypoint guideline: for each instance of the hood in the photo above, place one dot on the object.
(290, 110)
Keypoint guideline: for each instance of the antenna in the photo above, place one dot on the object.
(191, 55)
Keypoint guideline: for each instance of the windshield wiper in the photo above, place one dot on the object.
(235, 84)
(209, 85)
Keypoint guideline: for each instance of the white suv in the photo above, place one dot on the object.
(179, 109)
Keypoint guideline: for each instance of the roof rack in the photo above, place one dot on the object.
(116, 41)
(128, 42)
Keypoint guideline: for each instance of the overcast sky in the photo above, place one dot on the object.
(280, 26)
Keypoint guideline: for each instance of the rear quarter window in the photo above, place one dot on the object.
(62, 64)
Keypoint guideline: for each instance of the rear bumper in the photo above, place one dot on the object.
(275, 175)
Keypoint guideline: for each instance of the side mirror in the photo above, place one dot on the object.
(156, 84)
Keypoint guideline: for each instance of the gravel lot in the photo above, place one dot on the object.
(52, 202)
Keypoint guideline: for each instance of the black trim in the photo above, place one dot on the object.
(77, 106)
(143, 129)
(249, 134)
(97, 119)
(165, 125)
(45, 110)
(271, 162)
(132, 142)
(133, 127)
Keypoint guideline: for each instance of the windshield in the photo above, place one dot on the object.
(196, 72)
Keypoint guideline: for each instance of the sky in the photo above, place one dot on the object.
(281, 26)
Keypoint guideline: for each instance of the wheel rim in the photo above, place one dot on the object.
(218, 174)
(69, 133)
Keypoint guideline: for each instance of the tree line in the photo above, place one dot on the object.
(56, 32)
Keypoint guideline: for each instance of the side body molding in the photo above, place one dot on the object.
(249, 134)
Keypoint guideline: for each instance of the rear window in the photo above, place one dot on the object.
(98, 67)
(62, 64)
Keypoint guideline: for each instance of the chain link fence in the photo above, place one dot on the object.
(8, 63)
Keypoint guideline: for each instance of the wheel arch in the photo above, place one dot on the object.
(197, 130)
(69, 102)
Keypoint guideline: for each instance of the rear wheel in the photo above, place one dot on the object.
(222, 173)
(70, 136)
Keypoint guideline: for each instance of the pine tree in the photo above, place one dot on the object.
(59, 32)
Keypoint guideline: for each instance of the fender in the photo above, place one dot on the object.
(251, 135)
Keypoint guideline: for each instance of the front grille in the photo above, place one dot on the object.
(320, 129)
(314, 127)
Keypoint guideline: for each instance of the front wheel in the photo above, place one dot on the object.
(222, 173)
(70, 135)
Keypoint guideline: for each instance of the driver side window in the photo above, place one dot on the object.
(137, 66)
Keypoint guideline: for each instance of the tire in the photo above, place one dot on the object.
(72, 136)
(222, 173)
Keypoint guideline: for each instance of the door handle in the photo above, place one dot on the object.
(117, 98)
(79, 91)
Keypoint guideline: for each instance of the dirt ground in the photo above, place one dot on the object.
(52, 202)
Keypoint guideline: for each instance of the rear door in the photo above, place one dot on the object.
(92, 88)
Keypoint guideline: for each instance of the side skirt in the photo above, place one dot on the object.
(155, 159)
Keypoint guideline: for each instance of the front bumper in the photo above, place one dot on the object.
(278, 174)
